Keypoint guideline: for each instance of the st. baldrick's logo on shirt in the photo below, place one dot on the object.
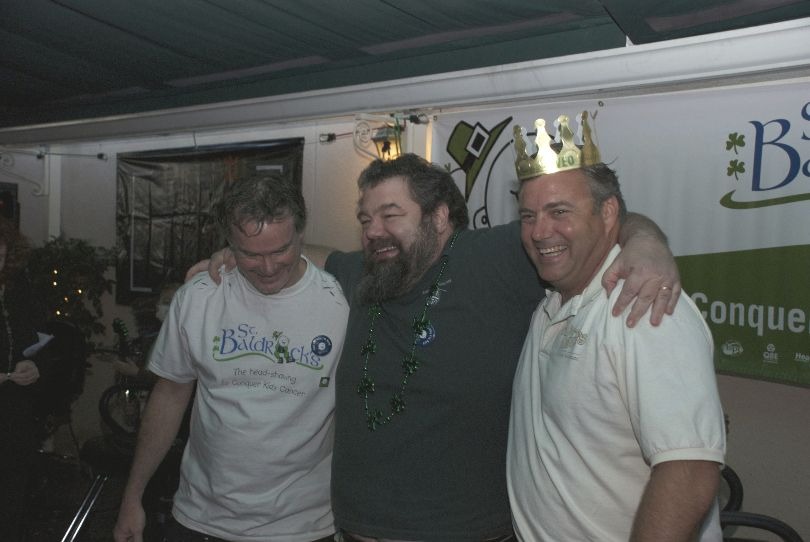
(246, 340)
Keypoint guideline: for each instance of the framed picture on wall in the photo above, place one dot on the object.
(164, 206)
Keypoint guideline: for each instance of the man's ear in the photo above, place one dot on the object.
(441, 218)
(610, 212)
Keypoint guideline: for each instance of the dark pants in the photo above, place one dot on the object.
(180, 533)
(504, 538)
(18, 450)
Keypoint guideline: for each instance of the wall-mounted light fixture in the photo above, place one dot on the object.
(388, 141)
(385, 131)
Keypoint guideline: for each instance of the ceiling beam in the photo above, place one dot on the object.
(776, 50)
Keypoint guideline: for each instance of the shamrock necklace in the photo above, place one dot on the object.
(410, 363)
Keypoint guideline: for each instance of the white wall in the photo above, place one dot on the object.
(769, 447)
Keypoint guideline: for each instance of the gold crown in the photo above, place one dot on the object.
(560, 154)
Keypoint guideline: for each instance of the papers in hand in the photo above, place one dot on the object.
(42, 340)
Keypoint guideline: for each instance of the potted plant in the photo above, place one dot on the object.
(69, 277)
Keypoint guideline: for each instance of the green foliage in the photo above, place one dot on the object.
(68, 276)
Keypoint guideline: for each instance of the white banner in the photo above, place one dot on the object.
(726, 174)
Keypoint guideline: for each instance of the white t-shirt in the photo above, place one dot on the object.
(258, 459)
(596, 405)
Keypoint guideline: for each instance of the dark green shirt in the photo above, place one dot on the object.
(437, 471)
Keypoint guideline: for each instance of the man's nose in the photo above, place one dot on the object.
(268, 265)
(373, 229)
(540, 229)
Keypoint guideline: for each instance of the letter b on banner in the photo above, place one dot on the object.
(792, 155)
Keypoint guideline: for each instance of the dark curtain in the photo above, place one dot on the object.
(164, 203)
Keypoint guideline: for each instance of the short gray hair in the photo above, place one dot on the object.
(604, 184)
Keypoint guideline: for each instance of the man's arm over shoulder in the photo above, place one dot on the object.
(650, 271)
(676, 500)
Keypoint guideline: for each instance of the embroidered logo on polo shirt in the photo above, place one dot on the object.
(570, 338)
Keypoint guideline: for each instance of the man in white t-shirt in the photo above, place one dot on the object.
(261, 348)
(616, 433)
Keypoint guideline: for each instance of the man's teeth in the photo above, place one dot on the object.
(551, 250)
(385, 249)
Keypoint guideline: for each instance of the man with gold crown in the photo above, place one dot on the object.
(437, 319)
(616, 433)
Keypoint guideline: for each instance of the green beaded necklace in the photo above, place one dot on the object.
(410, 363)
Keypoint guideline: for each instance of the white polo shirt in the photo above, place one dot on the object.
(596, 405)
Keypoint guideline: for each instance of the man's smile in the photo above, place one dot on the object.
(555, 250)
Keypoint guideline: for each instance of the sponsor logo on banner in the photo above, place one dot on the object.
(770, 355)
(732, 348)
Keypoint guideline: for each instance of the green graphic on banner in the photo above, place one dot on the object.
(757, 304)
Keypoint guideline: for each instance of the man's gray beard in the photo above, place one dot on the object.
(389, 279)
